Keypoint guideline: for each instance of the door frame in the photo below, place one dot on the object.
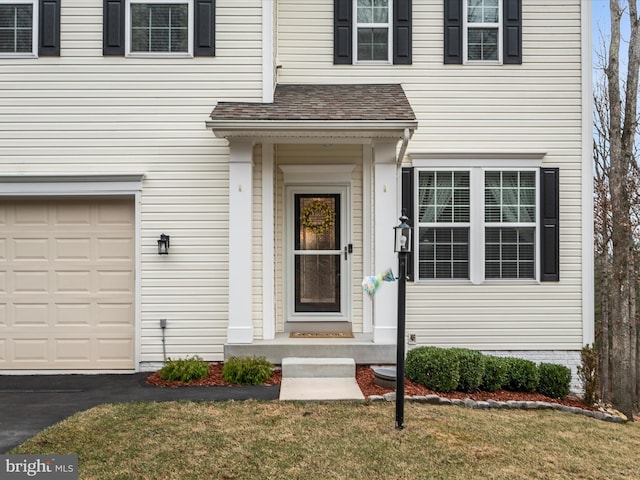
(344, 189)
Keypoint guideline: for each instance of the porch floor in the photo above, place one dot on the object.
(361, 349)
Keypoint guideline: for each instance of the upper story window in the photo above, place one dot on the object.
(366, 31)
(373, 32)
(17, 33)
(160, 27)
(482, 30)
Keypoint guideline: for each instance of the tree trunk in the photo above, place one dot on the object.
(622, 134)
(603, 330)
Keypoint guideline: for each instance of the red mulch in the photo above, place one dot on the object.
(365, 379)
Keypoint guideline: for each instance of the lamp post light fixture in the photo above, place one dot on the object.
(163, 245)
(402, 248)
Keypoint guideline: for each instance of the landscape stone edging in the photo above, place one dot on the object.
(492, 404)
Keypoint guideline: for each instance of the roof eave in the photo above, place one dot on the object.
(311, 128)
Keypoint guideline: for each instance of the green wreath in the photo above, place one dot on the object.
(310, 213)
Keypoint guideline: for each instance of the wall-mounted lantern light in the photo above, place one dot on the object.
(163, 245)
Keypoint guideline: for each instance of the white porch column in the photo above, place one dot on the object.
(240, 329)
(385, 217)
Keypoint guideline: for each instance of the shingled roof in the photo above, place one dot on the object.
(384, 102)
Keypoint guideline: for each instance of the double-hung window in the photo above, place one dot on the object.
(444, 221)
(373, 37)
(18, 37)
(483, 30)
(477, 224)
(159, 27)
(509, 224)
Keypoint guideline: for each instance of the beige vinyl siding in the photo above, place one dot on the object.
(322, 155)
(82, 113)
(257, 291)
(533, 107)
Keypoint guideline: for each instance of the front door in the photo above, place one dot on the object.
(318, 254)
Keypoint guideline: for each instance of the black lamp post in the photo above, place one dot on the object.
(402, 248)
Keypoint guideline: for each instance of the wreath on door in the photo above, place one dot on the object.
(317, 217)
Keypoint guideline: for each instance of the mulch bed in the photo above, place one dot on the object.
(365, 379)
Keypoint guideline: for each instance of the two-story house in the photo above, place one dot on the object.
(275, 143)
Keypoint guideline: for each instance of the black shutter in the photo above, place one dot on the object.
(407, 209)
(342, 32)
(452, 31)
(49, 28)
(113, 27)
(205, 28)
(512, 35)
(550, 213)
(402, 32)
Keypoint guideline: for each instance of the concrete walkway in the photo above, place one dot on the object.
(31, 403)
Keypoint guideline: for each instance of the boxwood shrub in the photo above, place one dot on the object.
(185, 370)
(522, 375)
(247, 370)
(470, 368)
(435, 368)
(495, 373)
(555, 380)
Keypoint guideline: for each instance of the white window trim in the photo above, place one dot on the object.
(388, 26)
(127, 33)
(465, 36)
(35, 28)
(477, 226)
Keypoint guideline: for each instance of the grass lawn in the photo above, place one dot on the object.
(272, 440)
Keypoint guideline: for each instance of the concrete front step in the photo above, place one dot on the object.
(320, 389)
(308, 367)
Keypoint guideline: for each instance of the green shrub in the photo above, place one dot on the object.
(470, 368)
(185, 370)
(555, 380)
(495, 373)
(433, 367)
(522, 375)
(588, 374)
(247, 370)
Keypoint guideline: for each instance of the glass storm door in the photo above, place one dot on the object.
(319, 257)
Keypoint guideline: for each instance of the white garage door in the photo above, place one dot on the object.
(67, 284)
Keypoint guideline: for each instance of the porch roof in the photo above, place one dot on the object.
(352, 110)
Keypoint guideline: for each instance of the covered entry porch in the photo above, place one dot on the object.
(313, 195)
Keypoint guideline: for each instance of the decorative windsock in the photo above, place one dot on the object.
(371, 282)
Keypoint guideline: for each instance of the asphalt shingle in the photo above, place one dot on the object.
(324, 102)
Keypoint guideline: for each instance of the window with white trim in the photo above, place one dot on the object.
(443, 228)
(373, 30)
(18, 37)
(476, 224)
(159, 27)
(482, 28)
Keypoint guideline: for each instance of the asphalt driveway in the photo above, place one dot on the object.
(31, 403)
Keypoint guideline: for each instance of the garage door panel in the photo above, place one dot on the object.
(30, 249)
(72, 349)
(31, 350)
(30, 314)
(114, 315)
(110, 281)
(77, 282)
(71, 213)
(115, 214)
(67, 280)
(34, 281)
(72, 315)
(72, 249)
(31, 213)
(110, 249)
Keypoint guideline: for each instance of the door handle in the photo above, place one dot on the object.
(346, 252)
